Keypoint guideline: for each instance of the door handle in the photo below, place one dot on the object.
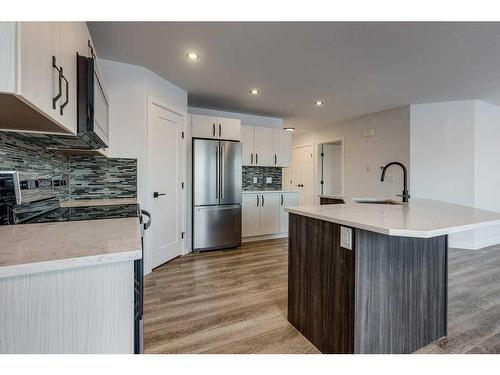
(59, 71)
(282, 199)
(251, 158)
(220, 130)
(262, 201)
(257, 200)
(156, 194)
(222, 173)
(213, 129)
(67, 93)
(275, 159)
(256, 158)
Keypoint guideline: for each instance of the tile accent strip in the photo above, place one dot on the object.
(248, 174)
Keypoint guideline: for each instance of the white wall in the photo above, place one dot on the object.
(363, 156)
(129, 87)
(455, 158)
(246, 119)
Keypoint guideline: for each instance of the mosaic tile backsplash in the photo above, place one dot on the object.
(261, 173)
(89, 176)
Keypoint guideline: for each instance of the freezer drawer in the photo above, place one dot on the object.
(216, 227)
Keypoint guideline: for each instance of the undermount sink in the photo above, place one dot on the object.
(375, 201)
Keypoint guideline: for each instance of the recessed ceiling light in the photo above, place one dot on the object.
(289, 129)
(318, 102)
(192, 55)
(254, 91)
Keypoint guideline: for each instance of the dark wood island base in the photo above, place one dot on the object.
(386, 295)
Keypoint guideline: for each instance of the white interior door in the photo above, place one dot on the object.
(165, 129)
(302, 174)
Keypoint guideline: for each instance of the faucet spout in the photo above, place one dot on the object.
(406, 194)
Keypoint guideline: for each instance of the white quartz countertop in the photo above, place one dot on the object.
(268, 191)
(33, 248)
(419, 218)
(98, 202)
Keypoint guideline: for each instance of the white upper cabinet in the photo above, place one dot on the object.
(264, 151)
(229, 128)
(216, 127)
(282, 148)
(38, 68)
(248, 144)
(266, 147)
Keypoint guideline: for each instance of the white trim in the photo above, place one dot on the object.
(152, 100)
(474, 245)
(316, 165)
(266, 237)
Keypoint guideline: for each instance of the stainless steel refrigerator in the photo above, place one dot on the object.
(216, 194)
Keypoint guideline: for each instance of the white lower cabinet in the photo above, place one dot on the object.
(264, 213)
(286, 200)
(269, 213)
(250, 215)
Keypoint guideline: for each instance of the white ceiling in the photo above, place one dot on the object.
(356, 68)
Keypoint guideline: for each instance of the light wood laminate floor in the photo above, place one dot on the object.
(234, 301)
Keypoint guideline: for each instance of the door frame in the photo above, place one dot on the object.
(148, 255)
(316, 164)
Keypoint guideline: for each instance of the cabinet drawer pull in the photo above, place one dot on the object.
(256, 158)
(275, 159)
(67, 93)
(59, 70)
(213, 129)
(262, 201)
(220, 130)
(282, 199)
(257, 200)
(251, 158)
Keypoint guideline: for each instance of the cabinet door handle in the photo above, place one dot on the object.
(213, 129)
(59, 71)
(67, 92)
(220, 130)
(262, 201)
(275, 159)
(282, 199)
(256, 158)
(251, 158)
(257, 200)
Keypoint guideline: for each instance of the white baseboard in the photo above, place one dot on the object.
(266, 237)
(475, 245)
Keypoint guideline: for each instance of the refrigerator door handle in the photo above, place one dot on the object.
(222, 173)
(217, 172)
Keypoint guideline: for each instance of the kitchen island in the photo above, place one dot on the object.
(371, 277)
(68, 287)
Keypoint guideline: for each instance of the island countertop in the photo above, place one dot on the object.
(422, 218)
(32, 248)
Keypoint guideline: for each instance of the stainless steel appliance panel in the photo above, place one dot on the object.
(205, 172)
(230, 172)
(217, 227)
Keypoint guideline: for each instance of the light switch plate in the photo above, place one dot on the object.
(255, 180)
(346, 238)
(269, 180)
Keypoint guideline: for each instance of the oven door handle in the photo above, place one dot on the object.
(147, 224)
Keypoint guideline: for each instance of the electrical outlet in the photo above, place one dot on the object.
(269, 180)
(255, 180)
(346, 238)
